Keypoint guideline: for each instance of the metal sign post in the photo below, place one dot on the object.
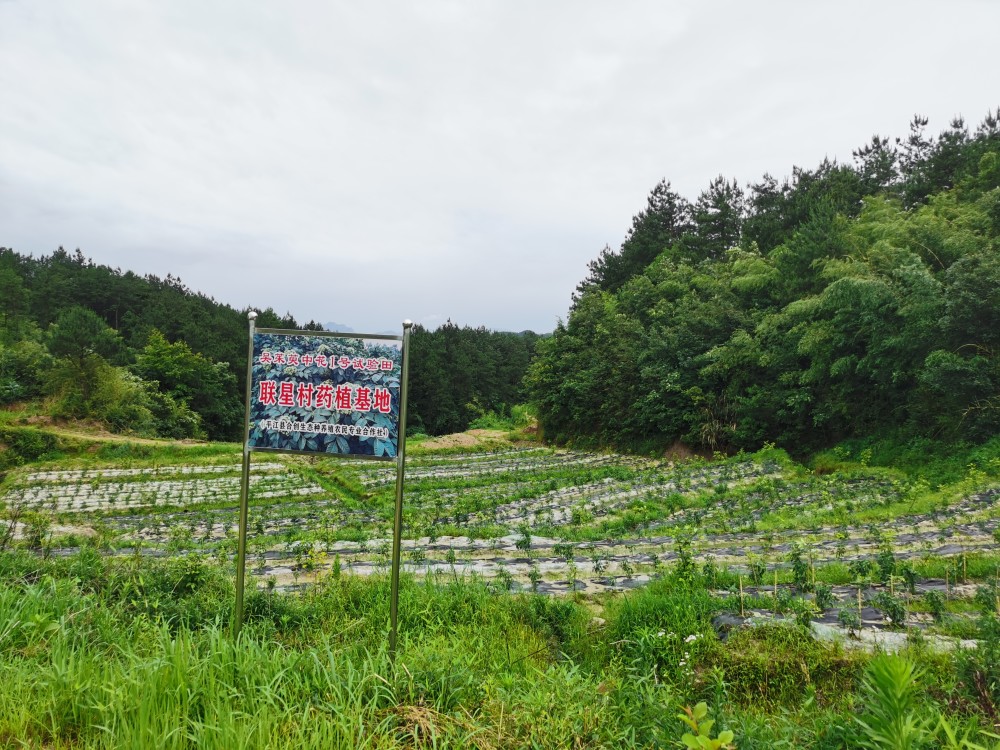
(397, 519)
(241, 548)
(327, 393)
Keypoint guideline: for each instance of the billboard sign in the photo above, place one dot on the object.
(336, 394)
(329, 393)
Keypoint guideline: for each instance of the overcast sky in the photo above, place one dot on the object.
(366, 162)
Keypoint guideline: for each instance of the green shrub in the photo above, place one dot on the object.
(24, 445)
(988, 598)
(850, 620)
(771, 666)
(862, 569)
(800, 568)
(824, 597)
(886, 561)
(22, 366)
(171, 418)
(100, 391)
(935, 604)
(893, 607)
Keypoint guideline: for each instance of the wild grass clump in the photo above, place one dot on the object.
(661, 631)
(939, 462)
(979, 669)
(89, 661)
(510, 419)
(99, 652)
(774, 665)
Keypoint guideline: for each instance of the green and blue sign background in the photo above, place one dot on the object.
(322, 393)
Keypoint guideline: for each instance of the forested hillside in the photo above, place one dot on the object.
(459, 374)
(149, 356)
(139, 354)
(847, 300)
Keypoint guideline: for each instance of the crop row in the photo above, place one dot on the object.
(537, 462)
(98, 475)
(79, 498)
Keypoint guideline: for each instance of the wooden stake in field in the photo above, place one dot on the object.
(742, 612)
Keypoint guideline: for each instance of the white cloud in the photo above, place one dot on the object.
(463, 160)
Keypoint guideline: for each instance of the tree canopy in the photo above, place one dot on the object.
(139, 353)
(460, 373)
(849, 300)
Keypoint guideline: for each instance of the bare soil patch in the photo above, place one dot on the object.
(470, 439)
(681, 452)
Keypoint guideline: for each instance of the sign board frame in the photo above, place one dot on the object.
(367, 392)
(339, 394)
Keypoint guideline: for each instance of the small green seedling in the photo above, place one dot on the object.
(700, 735)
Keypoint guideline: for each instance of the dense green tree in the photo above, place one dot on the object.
(878, 165)
(24, 369)
(666, 218)
(958, 395)
(13, 303)
(775, 214)
(204, 387)
(80, 304)
(718, 220)
(766, 224)
(458, 373)
(79, 332)
(82, 344)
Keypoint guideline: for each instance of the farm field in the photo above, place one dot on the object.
(564, 570)
(527, 518)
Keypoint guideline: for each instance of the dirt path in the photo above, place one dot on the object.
(93, 432)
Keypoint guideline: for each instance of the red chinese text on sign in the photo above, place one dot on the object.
(304, 394)
(343, 398)
(382, 401)
(286, 393)
(324, 396)
(268, 392)
(363, 399)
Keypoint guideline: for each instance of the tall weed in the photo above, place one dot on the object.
(892, 719)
